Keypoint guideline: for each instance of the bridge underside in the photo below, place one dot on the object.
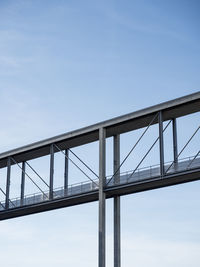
(80, 195)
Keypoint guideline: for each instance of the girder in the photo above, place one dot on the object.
(171, 109)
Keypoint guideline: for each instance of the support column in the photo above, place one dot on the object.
(66, 171)
(175, 146)
(161, 143)
(117, 234)
(51, 171)
(102, 204)
(23, 183)
(8, 183)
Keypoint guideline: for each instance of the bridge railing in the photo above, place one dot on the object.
(141, 174)
(153, 171)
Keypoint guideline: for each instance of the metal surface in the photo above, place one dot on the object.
(118, 184)
(171, 109)
(175, 145)
(135, 145)
(23, 182)
(161, 143)
(66, 171)
(102, 202)
(144, 179)
(8, 183)
(117, 232)
(51, 171)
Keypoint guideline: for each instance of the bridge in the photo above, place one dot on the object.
(179, 170)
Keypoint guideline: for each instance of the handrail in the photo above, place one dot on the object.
(152, 167)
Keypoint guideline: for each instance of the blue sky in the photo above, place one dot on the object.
(68, 64)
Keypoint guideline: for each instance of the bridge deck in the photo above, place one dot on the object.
(141, 175)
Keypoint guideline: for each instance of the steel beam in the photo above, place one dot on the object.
(122, 189)
(171, 109)
(175, 146)
(66, 170)
(102, 202)
(117, 233)
(8, 183)
(23, 183)
(161, 143)
(51, 171)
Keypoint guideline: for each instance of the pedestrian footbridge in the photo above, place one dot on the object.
(139, 176)
(162, 116)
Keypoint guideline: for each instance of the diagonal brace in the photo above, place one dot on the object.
(117, 170)
(184, 148)
(147, 152)
(75, 164)
(29, 177)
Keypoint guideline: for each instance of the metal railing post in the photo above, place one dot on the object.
(175, 146)
(51, 171)
(8, 183)
(161, 143)
(23, 183)
(66, 172)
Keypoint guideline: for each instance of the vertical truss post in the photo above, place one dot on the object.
(22, 183)
(117, 234)
(102, 202)
(8, 183)
(51, 171)
(161, 143)
(66, 171)
(175, 146)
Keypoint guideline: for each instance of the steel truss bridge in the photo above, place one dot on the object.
(137, 180)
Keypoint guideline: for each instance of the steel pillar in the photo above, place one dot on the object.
(66, 170)
(117, 234)
(175, 146)
(51, 171)
(102, 202)
(23, 182)
(161, 143)
(8, 183)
